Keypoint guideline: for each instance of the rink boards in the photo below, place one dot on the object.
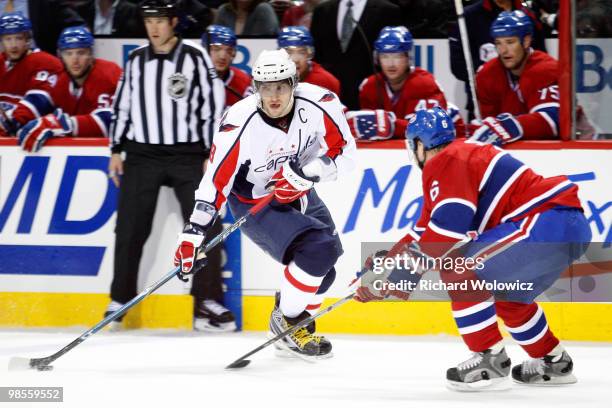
(56, 242)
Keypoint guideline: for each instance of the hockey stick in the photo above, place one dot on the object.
(465, 44)
(42, 364)
(243, 361)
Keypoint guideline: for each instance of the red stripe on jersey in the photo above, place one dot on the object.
(299, 285)
(333, 137)
(313, 307)
(224, 173)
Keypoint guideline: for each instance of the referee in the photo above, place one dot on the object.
(167, 105)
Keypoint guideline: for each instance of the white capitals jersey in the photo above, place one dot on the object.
(247, 151)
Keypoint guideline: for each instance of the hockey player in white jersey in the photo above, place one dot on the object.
(287, 136)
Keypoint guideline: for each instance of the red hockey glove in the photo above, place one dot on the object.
(499, 130)
(290, 183)
(35, 133)
(189, 243)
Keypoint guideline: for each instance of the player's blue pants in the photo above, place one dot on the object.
(286, 234)
(536, 249)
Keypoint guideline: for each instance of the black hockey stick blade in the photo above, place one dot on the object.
(239, 364)
(22, 363)
(243, 362)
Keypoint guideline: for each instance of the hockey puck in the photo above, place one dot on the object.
(44, 368)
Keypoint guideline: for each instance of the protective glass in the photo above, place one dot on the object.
(217, 50)
(392, 58)
(268, 89)
(298, 53)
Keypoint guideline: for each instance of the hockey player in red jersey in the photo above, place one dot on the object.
(289, 136)
(388, 98)
(26, 74)
(82, 95)
(517, 92)
(522, 227)
(298, 43)
(220, 41)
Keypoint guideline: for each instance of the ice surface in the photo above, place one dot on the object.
(173, 369)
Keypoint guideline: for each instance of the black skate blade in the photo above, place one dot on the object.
(238, 364)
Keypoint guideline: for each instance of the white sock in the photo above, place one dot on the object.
(497, 347)
(557, 351)
(298, 289)
(315, 304)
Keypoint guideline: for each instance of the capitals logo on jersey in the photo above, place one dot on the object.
(227, 127)
(327, 97)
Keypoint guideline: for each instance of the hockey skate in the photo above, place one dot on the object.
(484, 371)
(117, 324)
(325, 345)
(548, 370)
(301, 343)
(211, 316)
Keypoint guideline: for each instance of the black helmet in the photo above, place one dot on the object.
(158, 8)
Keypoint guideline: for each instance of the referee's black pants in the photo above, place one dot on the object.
(140, 184)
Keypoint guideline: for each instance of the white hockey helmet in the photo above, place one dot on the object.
(274, 65)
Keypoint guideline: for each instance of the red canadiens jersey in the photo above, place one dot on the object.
(420, 91)
(237, 86)
(317, 75)
(89, 105)
(470, 186)
(533, 98)
(34, 75)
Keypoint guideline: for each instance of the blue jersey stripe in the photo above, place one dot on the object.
(453, 216)
(503, 170)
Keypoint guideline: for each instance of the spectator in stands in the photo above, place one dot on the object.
(194, 17)
(388, 99)
(478, 19)
(299, 15)
(343, 32)
(26, 74)
(593, 19)
(48, 17)
(221, 43)
(298, 43)
(546, 11)
(280, 6)
(81, 96)
(248, 17)
(427, 18)
(117, 18)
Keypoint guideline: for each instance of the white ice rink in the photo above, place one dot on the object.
(180, 369)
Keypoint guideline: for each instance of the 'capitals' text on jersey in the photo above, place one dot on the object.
(247, 151)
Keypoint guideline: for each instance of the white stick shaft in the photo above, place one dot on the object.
(465, 44)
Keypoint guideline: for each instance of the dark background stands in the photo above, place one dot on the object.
(352, 66)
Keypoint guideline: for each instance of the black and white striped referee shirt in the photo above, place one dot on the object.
(167, 99)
